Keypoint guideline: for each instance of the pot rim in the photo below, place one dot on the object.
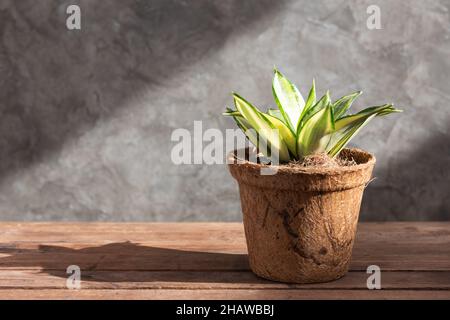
(282, 168)
(301, 179)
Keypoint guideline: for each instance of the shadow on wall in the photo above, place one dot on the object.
(107, 263)
(56, 83)
(411, 187)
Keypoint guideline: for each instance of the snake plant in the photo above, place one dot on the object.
(299, 128)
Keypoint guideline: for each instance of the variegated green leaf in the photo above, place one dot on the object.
(277, 114)
(230, 112)
(286, 134)
(288, 98)
(249, 132)
(341, 105)
(302, 128)
(349, 133)
(310, 102)
(314, 135)
(344, 121)
(347, 127)
(264, 128)
(321, 104)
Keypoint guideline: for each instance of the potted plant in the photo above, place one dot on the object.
(300, 223)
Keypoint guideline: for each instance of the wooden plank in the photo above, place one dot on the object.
(94, 232)
(172, 233)
(222, 294)
(31, 279)
(207, 260)
(154, 259)
(202, 246)
(126, 256)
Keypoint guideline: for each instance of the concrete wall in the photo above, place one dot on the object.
(86, 116)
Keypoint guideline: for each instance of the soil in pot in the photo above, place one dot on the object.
(322, 160)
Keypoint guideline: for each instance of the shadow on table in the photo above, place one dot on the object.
(131, 262)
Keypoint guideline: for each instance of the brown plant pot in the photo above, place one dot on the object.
(300, 223)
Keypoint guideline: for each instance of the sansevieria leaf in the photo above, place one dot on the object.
(321, 104)
(288, 98)
(277, 114)
(231, 112)
(266, 131)
(344, 121)
(311, 97)
(286, 134)
(310, 102)
(275, 118)
(299, 128)
(243, 124)
(347, 127)
(347, 134)
(313, 136)
(343, 104)
(249, 132)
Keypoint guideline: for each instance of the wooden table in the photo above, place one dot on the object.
(207, 261)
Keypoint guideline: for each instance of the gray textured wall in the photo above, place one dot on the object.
(86, 116)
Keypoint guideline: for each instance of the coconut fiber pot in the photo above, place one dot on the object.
(300, 223)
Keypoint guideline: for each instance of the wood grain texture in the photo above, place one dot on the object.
(207, 261)
(169, 294)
